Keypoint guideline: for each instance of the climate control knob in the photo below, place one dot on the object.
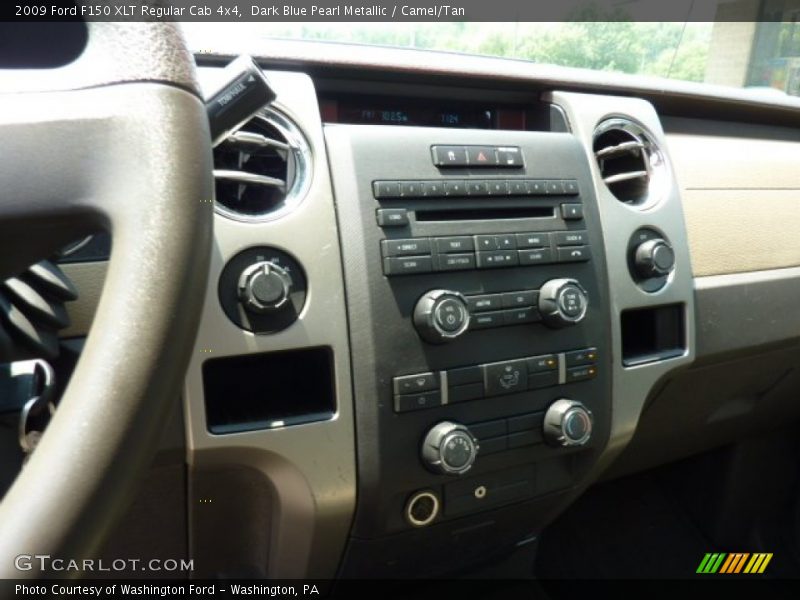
(654, 258)
(562, 302)
(567, 423)
(449, 448)
(441, 316)
(264, 287)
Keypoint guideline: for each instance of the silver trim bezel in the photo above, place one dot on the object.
(303, 168)
(658, 171)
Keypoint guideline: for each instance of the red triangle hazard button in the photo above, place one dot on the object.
(482, 157)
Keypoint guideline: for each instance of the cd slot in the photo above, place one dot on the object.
(485, 214)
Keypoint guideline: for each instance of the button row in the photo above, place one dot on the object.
(460, 188)
(425, 255)
(426, 390)
(477, 156)
(507, 434)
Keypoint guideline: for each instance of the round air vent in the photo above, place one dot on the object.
(631, 163)
(263, 169)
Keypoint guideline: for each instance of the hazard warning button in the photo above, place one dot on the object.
(482, 156)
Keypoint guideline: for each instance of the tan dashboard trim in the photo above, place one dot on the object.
(88, 279)
(741, 200)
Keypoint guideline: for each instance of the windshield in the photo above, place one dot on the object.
(741, 54)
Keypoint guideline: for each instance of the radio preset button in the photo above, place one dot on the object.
(454, 187)
(570, 187)
(477, 188)
(554, 187)
(386, 189)
(433, 189)
(505, 377)
(571, 238)
(536, 187)
(407, 247)
(407, 265)
(498, 187)
(517, 187)
(572, 212)
(411, 189)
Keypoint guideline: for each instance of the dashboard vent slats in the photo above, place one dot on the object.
(32, 312)
(261, 170)
(630, 163)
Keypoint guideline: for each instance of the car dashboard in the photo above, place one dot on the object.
(448, 294)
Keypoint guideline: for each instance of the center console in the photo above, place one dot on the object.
(479, 313)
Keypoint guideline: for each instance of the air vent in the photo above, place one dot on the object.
(631, 164)
(32, 312)
(262, 170)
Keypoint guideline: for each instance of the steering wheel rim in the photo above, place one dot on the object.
(118, 140)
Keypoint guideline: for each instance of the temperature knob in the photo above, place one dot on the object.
(449, 448)
(264, 287)
(567, 423)
(562, 302)
(441, 316)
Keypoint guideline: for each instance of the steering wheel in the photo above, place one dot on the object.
(118, 139)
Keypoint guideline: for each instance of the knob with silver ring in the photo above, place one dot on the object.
(567, 423)
(654, 258)
(449, 448)
(441, 316)
(563, 302)
(264, 287)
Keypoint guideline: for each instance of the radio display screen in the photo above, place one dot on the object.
(433, 113)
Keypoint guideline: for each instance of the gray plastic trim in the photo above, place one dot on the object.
(311, 468)
(632, 385)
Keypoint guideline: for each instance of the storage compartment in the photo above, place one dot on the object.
(264, 391)
(652, 334)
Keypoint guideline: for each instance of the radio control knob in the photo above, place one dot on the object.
(563, 302)
(654, 258)
(441, 316)
(567, 423)
(264, 287)
(449, 448)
